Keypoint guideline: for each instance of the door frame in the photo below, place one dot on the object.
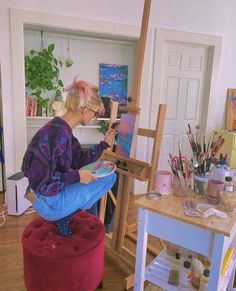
(213, 43)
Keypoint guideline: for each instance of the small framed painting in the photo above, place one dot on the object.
(113, 83)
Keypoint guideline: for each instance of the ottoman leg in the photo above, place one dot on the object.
(100, 286)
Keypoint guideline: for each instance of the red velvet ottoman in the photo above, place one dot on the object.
(56, 263)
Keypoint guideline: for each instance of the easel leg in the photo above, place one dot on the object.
(116, 227)
(102, 208)
(124, 213)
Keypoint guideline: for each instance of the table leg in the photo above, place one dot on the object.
(216, 262)
(141, 251)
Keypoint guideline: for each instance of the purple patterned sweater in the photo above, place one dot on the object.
(54, 156)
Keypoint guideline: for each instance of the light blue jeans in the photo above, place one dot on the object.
(72, 198)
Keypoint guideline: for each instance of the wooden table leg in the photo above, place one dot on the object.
(141, 251)
(216, 262)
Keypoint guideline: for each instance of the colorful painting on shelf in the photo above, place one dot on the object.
(126, 136)
(113, 80)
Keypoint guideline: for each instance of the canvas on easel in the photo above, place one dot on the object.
(127, 135)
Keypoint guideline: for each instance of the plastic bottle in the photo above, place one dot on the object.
(234, 180)
(197, 271)
(220, 172)
(229, 185)
(204, 280)
(186, 273)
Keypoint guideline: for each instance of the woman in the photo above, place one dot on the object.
(58, 186)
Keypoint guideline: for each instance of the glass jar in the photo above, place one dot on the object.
(214, 189)
(180, 188)
(228, 200)
(200, 185)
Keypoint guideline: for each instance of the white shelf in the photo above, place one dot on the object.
(50, 117)
(39, 121)
(158, 273)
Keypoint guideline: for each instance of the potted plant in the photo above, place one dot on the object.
(104, 125)
(42, 74)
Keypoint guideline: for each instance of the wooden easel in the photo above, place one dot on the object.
(135, 169)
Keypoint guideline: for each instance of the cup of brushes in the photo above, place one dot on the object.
(181, 174)
(204, 159)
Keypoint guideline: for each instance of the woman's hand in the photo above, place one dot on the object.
(109, 137)
(86, 177)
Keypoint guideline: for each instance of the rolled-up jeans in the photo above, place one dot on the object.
(72, 198)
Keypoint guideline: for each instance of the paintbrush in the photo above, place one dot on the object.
(180, 158)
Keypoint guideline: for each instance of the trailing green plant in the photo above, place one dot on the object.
(104, 125)
(42, 74)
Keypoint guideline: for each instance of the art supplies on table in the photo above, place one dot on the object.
(201, 210)
(153, 195)
(204, 154)
(173, 278)
(190, 208)
(163, 182)
(181, 174)
(100, 168)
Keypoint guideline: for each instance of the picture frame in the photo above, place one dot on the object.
(113, 83)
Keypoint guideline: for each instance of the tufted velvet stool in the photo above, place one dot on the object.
(56, 263)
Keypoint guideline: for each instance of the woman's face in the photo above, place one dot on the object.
(87, 115)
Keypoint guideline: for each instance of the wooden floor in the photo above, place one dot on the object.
(11, 265)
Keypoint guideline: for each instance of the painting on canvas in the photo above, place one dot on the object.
(113, 80)
(126, 136)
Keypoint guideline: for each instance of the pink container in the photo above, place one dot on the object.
(163, 182)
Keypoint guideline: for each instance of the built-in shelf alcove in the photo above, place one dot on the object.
(97, 35)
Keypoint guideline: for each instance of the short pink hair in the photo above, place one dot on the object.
(83, 94)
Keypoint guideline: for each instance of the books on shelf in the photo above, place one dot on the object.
(31, 106)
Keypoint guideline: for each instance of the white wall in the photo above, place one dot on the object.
(86, 53)
(214, 17)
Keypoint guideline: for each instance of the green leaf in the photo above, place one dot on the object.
(45, 103)
(49, 85)
(60, 83)
(58, 92)
(51, 47)
(42, 72)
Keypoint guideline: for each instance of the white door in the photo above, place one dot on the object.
(183, 77)
(183, 90)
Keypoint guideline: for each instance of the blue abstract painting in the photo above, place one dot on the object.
(113, 80)
(127, 132)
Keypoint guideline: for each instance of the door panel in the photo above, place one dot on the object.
(182, 88)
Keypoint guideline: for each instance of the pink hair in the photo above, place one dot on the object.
(80, 88)
(83, 94)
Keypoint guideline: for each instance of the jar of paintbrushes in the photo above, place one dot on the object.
(180, 168)
(204, 158)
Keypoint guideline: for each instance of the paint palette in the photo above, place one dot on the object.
(101, 168)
